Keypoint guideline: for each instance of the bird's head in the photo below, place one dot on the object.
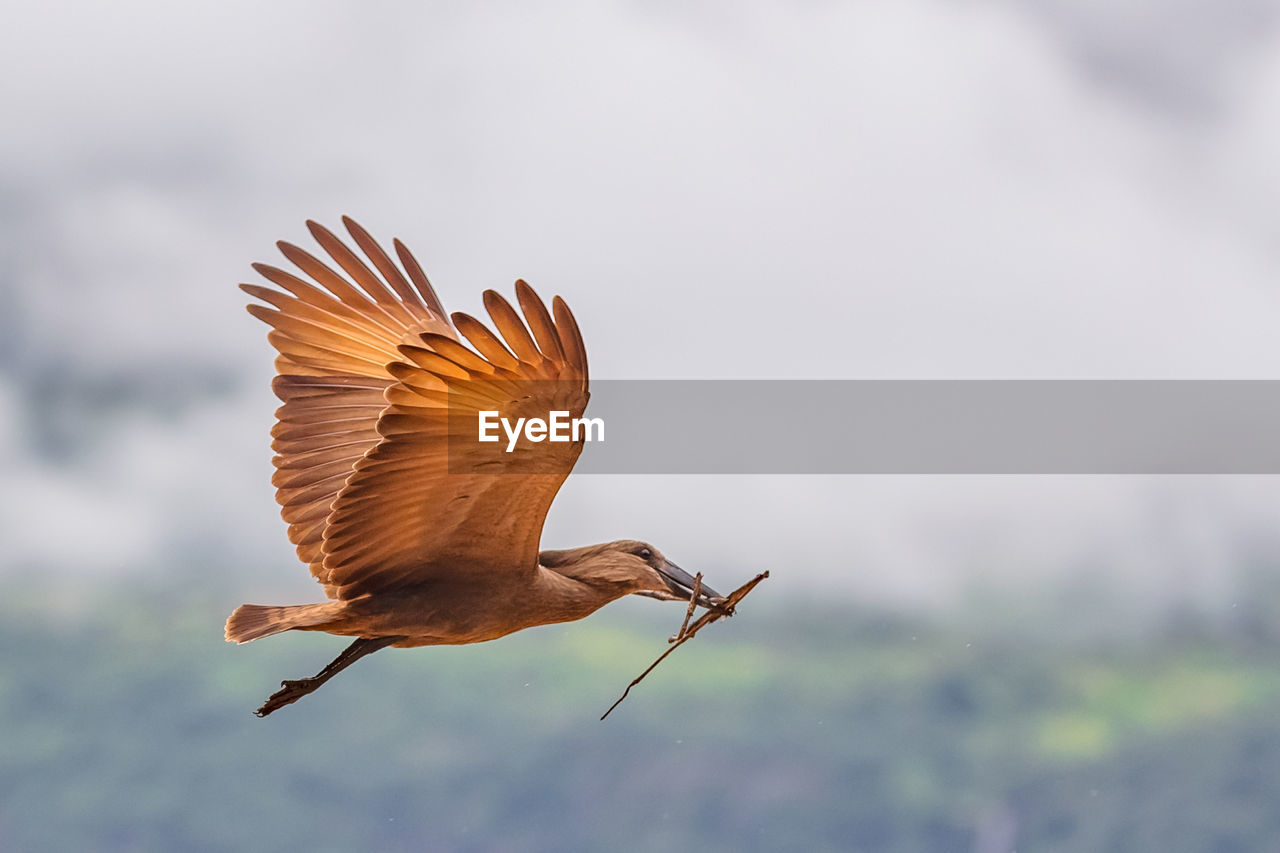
(629, 566)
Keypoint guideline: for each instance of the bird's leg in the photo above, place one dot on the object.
(292, 691)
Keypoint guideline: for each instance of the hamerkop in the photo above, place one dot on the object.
(419, 535)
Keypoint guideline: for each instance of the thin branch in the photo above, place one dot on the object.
(688, 614)
(718, 610)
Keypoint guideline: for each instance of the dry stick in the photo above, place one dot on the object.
(687, 631)
(688, 614)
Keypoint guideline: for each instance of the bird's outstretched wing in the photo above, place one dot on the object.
(374, 379)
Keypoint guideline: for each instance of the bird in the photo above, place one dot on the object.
(418, 534)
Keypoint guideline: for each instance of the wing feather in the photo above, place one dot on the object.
(373, 378)
(485, 341)
(408, 313)
(570, 338)
(544, 330)
(420, 281)
(459, 355)
(313, 295)
(508, 324)
(385, 265)
(320, 272)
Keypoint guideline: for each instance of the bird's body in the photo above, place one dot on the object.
(419, 534)
(473, 607)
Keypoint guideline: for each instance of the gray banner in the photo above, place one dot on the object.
(935, 427)
(932, 427)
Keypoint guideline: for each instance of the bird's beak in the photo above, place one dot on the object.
(681, 584)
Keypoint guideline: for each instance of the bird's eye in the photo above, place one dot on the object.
(644, 553)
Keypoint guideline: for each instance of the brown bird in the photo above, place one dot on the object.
(420, 534)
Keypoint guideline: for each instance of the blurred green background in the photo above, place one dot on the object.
(796, 725)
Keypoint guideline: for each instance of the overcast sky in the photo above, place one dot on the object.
(906, 189)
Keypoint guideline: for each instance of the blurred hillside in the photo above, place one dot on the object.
(128, 727)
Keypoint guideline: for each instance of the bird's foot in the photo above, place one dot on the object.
(292, 691)
(289, 692)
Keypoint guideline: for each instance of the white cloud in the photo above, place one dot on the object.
(915, 189)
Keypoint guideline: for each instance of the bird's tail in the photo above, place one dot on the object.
(251, 621)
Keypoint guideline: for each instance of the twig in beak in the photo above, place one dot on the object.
(717, 611)
(688, 614)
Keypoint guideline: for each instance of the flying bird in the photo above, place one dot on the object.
(419, 534)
